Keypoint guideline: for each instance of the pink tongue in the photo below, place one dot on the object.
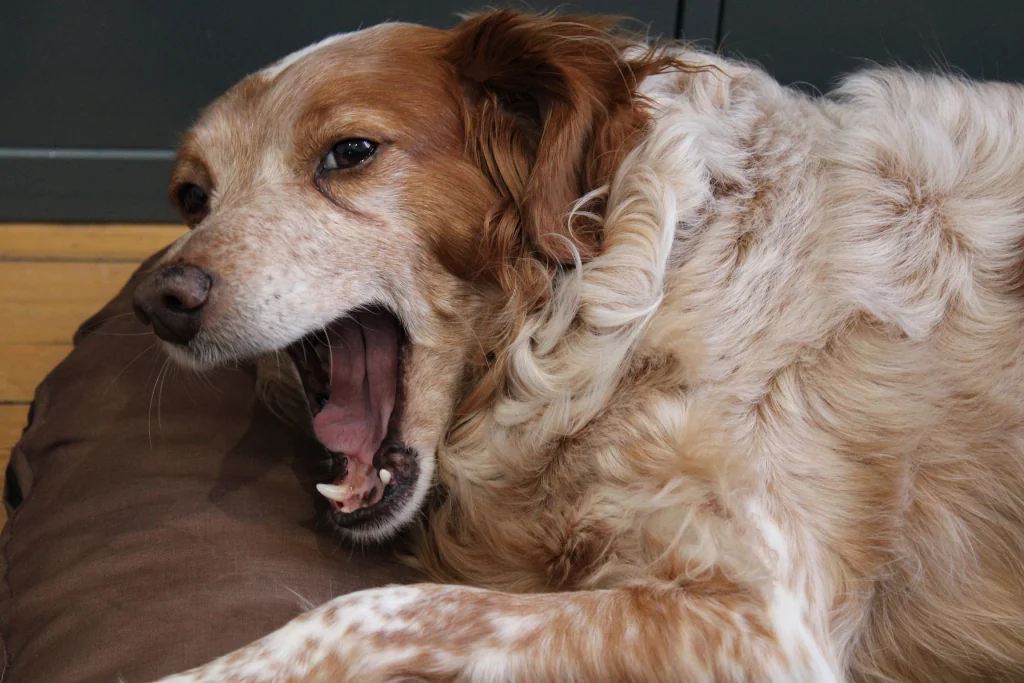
(364, 378)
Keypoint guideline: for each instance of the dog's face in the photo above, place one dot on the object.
(318, 190)
(385, 206)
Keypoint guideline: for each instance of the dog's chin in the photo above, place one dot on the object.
(396, 510)
(366, 498)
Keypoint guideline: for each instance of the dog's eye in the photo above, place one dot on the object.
(349, 153)
(193, 201)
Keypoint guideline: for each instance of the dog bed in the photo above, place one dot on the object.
(158, 519)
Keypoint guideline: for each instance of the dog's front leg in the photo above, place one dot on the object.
(435, 632)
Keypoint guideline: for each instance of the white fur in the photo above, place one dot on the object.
(277, 67)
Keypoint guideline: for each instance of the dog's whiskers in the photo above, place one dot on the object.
(152, 397)
(128, 365)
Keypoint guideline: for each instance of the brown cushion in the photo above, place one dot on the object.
(161, 519)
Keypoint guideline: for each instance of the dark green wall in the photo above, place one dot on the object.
(96, 93)
(814, 41)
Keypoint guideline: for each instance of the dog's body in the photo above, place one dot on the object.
(769, 426)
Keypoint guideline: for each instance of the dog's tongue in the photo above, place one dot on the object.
(364, 379)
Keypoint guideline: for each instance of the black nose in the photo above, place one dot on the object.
(170, 300)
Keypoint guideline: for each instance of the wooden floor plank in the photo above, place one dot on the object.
(24, 366)
(53, 277)
(131, 243)
(44, 303)
(31, 282)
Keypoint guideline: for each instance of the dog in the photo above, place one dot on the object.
(681, 374)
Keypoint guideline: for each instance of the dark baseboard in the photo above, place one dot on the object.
(99, 188)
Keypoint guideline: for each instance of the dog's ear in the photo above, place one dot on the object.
(551, 110)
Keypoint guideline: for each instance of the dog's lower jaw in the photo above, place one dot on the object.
(381, 529)
(279, 388)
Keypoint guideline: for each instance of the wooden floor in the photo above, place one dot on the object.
(52, 277)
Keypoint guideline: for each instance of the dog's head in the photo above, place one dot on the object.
(388, 206)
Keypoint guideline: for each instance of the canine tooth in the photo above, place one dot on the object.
(335, 493)
(385, 477)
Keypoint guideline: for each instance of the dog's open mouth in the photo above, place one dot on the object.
(351, 372)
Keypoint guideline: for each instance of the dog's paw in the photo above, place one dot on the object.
(386, 634)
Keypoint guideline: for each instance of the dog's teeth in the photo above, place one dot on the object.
(385, 477)
(331, 492)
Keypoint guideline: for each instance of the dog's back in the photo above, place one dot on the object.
(853, 289)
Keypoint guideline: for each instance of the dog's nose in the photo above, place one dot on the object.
(170, 299)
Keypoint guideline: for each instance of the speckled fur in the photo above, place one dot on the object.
(769, 426)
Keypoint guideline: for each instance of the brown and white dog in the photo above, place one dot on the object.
(710, 380)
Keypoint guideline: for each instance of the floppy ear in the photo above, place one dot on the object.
(551, 111)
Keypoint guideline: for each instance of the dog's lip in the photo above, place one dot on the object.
(402, 462)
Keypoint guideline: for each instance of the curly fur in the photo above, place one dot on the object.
(803, 307)
(741, 389)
